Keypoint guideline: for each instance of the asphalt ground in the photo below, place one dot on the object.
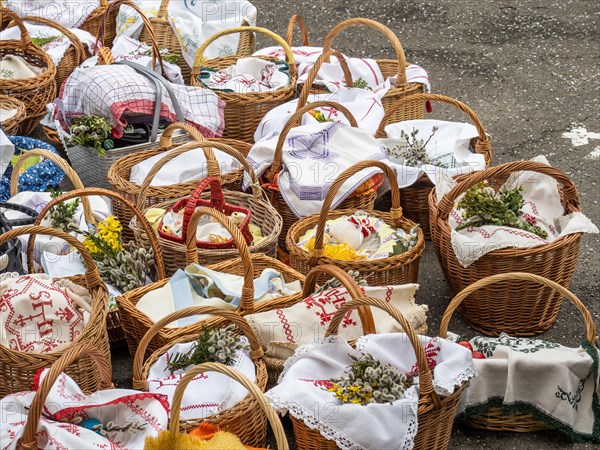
(530, 70)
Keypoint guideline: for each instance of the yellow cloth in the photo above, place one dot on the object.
(205, 437)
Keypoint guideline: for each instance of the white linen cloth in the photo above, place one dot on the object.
(7, 151)
(557, 382)
(450, 142)
(313, 157)
(201, 286)
(542, 202)
(69, 13)
(208, 393)
(57, 48)
(60, 426)
(194, 22)
(15, 67)
(107, 91)
(6, 114)
(303, 385)
(283, 330)
(247, 75)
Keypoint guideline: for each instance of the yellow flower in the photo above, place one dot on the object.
(90, 246)
(356, 400)
(354, 388)
(109, 230)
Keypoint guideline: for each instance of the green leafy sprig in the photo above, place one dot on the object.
(93, 132)
(62, 215)
(361, 83)
(414, 152)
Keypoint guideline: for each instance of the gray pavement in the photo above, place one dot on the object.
(530, 69)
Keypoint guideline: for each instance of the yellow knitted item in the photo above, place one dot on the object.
(166, 441)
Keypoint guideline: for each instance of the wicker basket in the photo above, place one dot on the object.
(363, 198)
(115, 330)
(11, 125)
(244, 111)
(97, 364)
(35, 92)
(415, 197)
(495, 419)
(390, 271)
(245, 419)
(435, 414)
(389, 68)
(263, 215)
(103, 18)
(297, 19)
(525, 312)
(18, 369)
(250, 266)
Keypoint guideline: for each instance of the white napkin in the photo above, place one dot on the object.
(247, 75)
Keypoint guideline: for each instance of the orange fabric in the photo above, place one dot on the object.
(207, 431)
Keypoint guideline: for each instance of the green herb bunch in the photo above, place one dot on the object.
(370, 381)
(172, 58)
(62, 215)
(334, 283)
(414, 152)
(405, 241)
(213, 345)
(43, 40)
(93, 132)
(127, 269)
(481, 205)
(361, 83)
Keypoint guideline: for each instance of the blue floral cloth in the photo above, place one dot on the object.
(37, 178)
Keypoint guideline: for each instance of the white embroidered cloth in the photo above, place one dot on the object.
(281, 331)
(208, 393)
(247, 75)
(69, 13)
(194, 21)
(15, 67)
(449, 144)
(542, 203)
(303, 385)
(557, 382)
(67, 404)
(118, 92)
(313, 156)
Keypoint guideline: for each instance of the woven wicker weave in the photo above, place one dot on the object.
(136, 323)
(435, 414)
(98, 364)
(415, 198)
(246, 420)
(389, 68)
(363, 199)
(11, 125)
(103, 18)
(244, 111)
(390, 271)
(18, 369)
(35, 92)
(495, 419)
(507, 307)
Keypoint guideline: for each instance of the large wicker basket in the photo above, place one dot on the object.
(35, 92)
(435, 413)
(98, 365)
(18, 369)
(415, 197)
(113, 322)
(250, 266)
(263, 215)
(389, 68)
(363, 198)
(495, 419)
(246, 420)
(525, 312)
(393, 270)
(244, 111)
(11, 125)
(103, 17)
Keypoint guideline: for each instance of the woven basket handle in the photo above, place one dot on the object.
(68, 357)
(296, 119)
(570, 194)
(516, 277)
(163, 10)
(286, 48)
(62, 165)
(354, 290)
(230, 316)
(77, 45)
(191, 257)
(395, 210)
(314, 71)
(25, 36)
(482, 146)
(390, 36)
(83, 194)
(252, 388)
(166, 139)
(425, 377)
(297, 20)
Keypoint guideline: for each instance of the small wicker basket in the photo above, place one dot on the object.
(393, 270)
(495, 419)
(11, 125)
(507, 307)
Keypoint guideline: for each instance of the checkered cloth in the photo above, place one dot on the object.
(120, 94)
